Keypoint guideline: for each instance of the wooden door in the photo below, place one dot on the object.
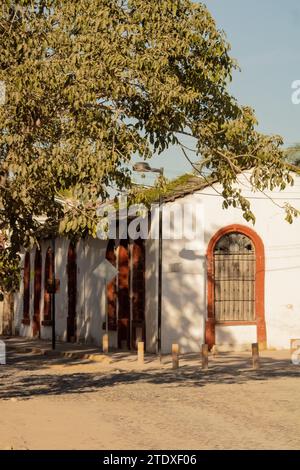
(126, 293)
(111, 291)
(37, 293)
(72, 293)
(26, 294)
(123, 296)
(48, 280)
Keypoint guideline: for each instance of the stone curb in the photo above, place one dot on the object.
(67, 354)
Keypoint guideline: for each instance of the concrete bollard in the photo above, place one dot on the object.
(140, 352)
(175, 356)
(204, 356)
(255, 356)
(105, 343)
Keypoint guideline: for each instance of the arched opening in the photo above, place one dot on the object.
(48, 282)
(37, 292)
(26, 295)
(123, 296)
(72, 292)
(111, 290)
(126, 292)
(138, 292)
(236, 271)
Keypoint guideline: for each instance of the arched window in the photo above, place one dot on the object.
(48, 280)
(235, 281)
(26, 295)
(234, 278)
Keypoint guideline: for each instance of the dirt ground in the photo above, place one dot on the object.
(60, 403)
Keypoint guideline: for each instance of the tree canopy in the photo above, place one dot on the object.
(90, 83)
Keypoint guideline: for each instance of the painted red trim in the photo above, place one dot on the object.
(127, 291)
(210, 336)
(37, 293)
(111, 290)
(26, 294)
(235, 323)
(48, 279)
(72, 292)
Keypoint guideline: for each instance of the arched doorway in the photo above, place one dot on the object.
(26, 295)
(111, 289)
(72, 292)
(126, 292)
(123, 295)
(37, 292)
(236, 272)
(48, 281)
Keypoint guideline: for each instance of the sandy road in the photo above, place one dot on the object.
(58, 404)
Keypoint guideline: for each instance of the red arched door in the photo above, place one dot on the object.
(126, 293)
(26, 294)
(123, 296)
(37, 293)
(72, 292)
(111, 289)
(48, 280)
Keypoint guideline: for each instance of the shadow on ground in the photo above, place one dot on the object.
(26, 376)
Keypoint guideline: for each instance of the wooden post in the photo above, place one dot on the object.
(175, 356)
(204, 356)
(140, 352)
(105, 343)
(294, 345)
(295, 350)
(255, 356)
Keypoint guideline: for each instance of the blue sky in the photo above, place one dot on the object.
(265, 39)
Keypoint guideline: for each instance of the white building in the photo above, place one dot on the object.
(231, 284)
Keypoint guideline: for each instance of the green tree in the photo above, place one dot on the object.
(89, 83)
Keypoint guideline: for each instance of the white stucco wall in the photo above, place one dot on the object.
(184, 280)
(91, 291)
(235, 337)
(90, 309)
(184, 291)
(282, 254)
(151, 250)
